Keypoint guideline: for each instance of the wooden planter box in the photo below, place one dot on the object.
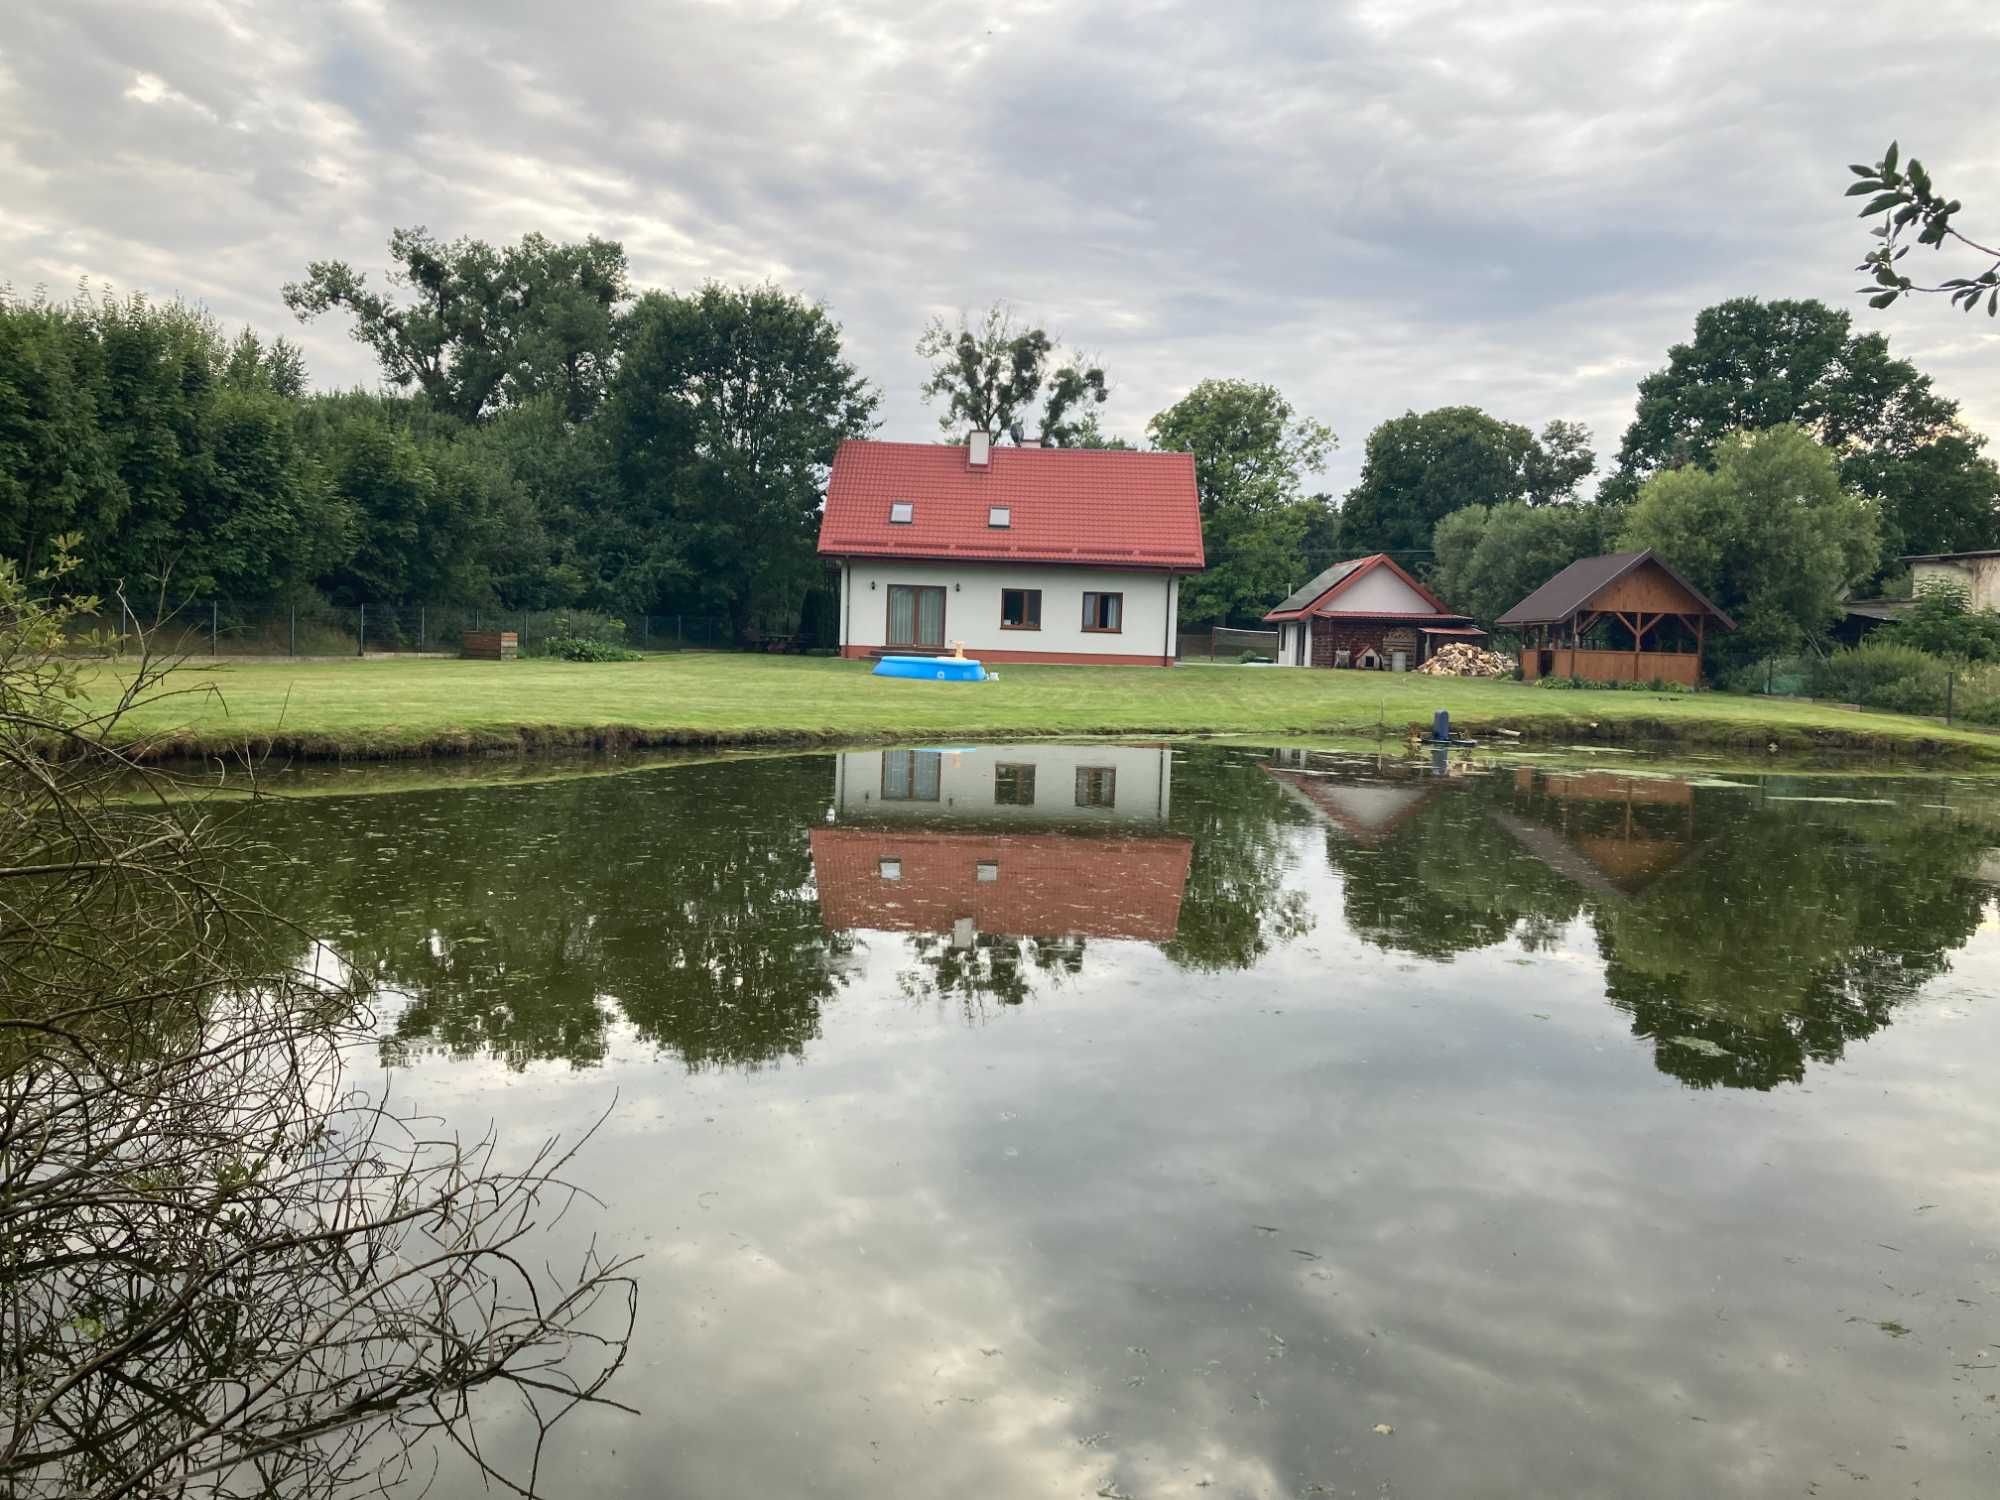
(490, 645)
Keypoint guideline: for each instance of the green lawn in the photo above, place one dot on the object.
(383, 707)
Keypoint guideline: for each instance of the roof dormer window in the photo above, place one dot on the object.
(902, 512)
(1001, 516)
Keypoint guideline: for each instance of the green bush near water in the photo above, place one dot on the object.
(1902, 679)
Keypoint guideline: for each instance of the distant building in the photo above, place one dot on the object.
(1978, 573)
(1023, 554)
(1622, 617)
(1365, 613)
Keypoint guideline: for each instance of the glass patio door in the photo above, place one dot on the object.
(916, 616)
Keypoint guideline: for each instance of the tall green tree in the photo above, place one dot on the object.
(1769, 533)
(1004, 380)
(1754, 364)
(480, 327)
(1420, 467)
(1490, 557)
(724, 416)
(1252, 455)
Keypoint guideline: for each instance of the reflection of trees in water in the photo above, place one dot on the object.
(1236, 908)
(1003, 970)
(1449, 880)
(1794, 935)
(1745, 938)
(525, 921)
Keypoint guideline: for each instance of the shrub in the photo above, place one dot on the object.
(587, 648)
(1656, 685)
(1944, 623)
(574, 625)
(1881, 674)
(1248, 658)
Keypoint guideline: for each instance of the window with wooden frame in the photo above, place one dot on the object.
(1013, 786)
(1020, 609)
(1096, 786)
(1104, 612)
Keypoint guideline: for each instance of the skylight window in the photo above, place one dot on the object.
(902, 512)
(999, 515)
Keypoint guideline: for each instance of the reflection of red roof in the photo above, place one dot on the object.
(1067, 505)
(1049, 884)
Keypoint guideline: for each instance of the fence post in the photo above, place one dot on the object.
(1950, 682)
(524, 630)
(421, 622)
(361, 644)
(645, 632)
(214, 629)
(680, 635)
(292, 631)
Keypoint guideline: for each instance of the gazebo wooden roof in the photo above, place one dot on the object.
(1576, 585)
(1564, 621)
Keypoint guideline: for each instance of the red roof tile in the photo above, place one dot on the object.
(1047, 884)
(1068, 505)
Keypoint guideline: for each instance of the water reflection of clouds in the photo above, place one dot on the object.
(1498, 1226)
(1539, 1263)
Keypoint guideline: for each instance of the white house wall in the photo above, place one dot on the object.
(965, 782)
(1978, 576)
(1379, 592)
(972, 609)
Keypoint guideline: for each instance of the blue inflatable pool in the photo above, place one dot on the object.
(936, 668)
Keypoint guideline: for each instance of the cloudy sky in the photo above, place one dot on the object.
(1377, 205)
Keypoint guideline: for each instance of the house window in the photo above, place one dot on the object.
(889, 869)
(902, 512)
(1104, 612)
(1020, 609)
(988, 871)
(1096, 786)
(1014, 786)
(911, 775)
(999, 515)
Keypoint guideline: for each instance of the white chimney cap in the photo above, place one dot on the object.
(978, 449)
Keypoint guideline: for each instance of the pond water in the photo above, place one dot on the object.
(1173, 1121)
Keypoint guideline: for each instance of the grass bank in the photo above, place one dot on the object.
(381, 709)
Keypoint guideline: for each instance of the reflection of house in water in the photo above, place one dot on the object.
(1027, 841)
(1366, 811)
(1613, 835)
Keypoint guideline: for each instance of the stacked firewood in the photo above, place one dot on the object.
(1463, 659)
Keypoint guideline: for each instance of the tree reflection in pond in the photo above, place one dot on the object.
(1744, 936)
(713, 909)
(526, 921)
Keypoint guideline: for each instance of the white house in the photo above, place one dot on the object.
(1023, 554)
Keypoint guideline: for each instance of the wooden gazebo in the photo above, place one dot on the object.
(1623, 617)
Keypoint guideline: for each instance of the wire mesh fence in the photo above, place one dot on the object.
(215, 627)
(1225, 643)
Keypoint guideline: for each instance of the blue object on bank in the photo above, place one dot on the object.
(936, 668)
(1441, 726)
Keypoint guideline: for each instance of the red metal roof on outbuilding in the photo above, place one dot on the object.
(1067, 505)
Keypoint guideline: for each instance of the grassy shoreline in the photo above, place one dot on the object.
(401, 709)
